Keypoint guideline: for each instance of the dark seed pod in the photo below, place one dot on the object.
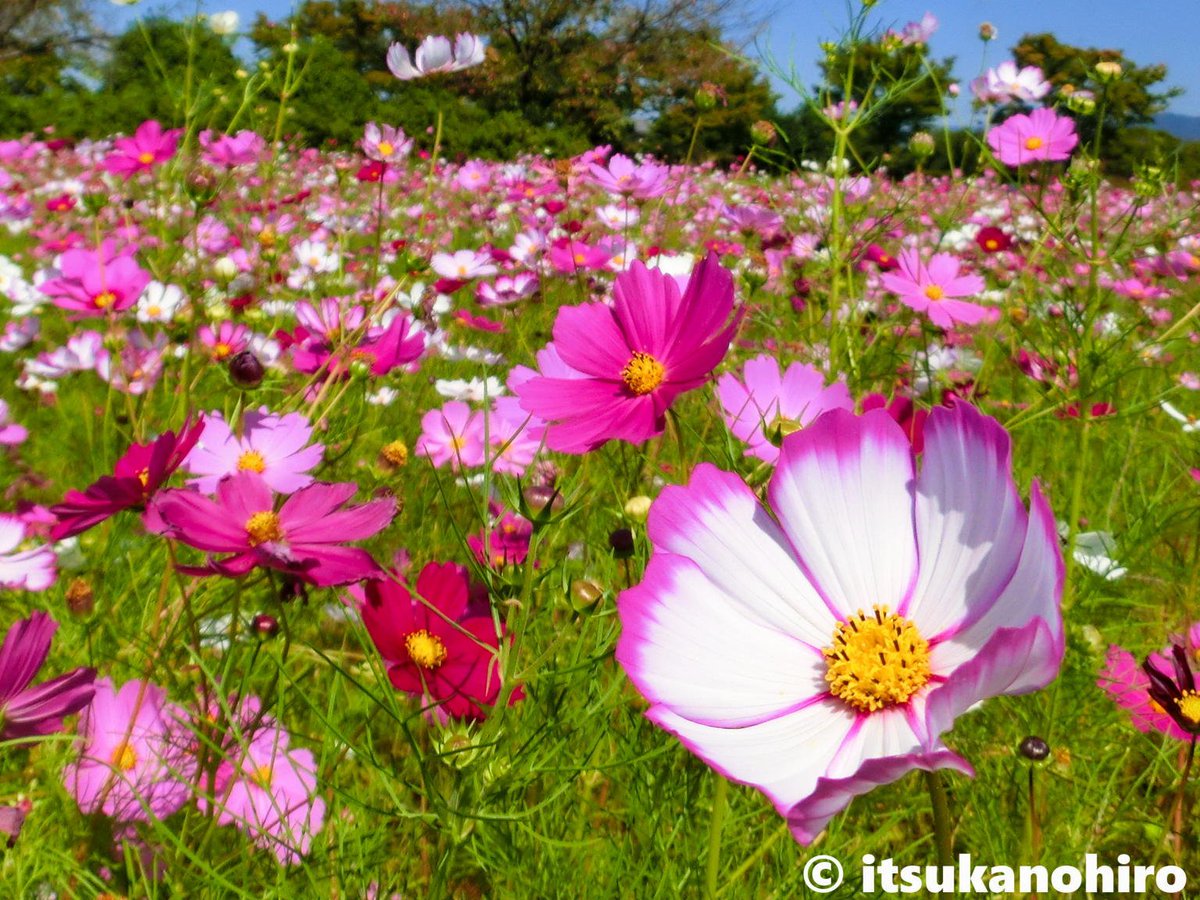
(1034, 749)
(246, 370)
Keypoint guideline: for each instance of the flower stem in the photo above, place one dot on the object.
(941, 818)
(720, 807)
(1177, 816)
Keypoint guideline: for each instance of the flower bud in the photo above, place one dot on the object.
(246, 370)
(265, 626)
(705, 97)
(225, 269)
(80, 600)
(1108, 70)
(1034, 749)
(921, 145)
(763, 133)
(622, 543)
(637, 509)
(584, 594)
(987, 31)
(393, 455)
(1081, 102)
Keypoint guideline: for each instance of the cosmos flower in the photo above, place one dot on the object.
(276, 447)
(1041, 136)
(934, 288)
(148, 147)
(1127, 683)
(823, 647)
(228, 151)
(10, 432)
(29, 711)
(1173, 689)
(435, 645)
(433, 55)
(303, 538)
(620, 368)
(624, 177)
(133, 754)
(137, 476)
(1006, 83)
(96, 282)
(452, 435)
(763, 406)
(270, 792)
(24, 570)
(385, 143)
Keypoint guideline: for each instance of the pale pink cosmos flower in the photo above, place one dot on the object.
(11, 433)
(303, 538)
(434, 54)
(452, 435)
(1006, 82)
(463, 265)
(133, 754)
(506, 290)
(1041, 136)
(276, 447)
(934, 288)
(625, 177)
(138, 364)
(270, 792)
(823, 646)
(34, 569)
(763, 406)
(385, 143)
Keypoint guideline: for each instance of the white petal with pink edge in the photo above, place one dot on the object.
(687, 645)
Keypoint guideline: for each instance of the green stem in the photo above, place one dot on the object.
(1081, 473)
(941, 818)
(720, 807)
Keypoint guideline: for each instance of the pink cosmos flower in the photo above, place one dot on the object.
(823, 647)
(385, 143)
(764, 406)
(137, 475)
(10, 432)
(1006, 83)
(96, 282)
(148, 147)
(505, 542)
(330, 339)
(302, 538)
(934, 288)
(137, 365)
(1041, 136)
(463, 265)
(229, 339)
(569, 257)
(30, 711)
(506, 290)
(625, 177)
(228, 151)
(435, 645)
(23, 570)
(1127, 683)
(620, 368)
(433, 55)
(452, 435)
(133, 754)
(270, 793)
(276, 447)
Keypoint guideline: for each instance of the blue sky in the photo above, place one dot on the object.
(1149, 31)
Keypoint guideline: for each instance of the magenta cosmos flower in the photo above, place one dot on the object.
(820, 647)
(136, 477)
(133, 759)
(934, 288)
(1041, 136)
(624, 365)
(763, 406)
(148, 147)
(270, 793)
(96, 282)
(30, 711)
(276, 447)
(303, 537)
(435, 645)
(1128, 684)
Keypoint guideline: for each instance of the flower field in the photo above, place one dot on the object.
(378, 523)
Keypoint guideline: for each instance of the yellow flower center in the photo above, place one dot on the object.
(1189, 706)
(643, 373)
(124, 757)
(262, 777)
(145, 157)
(266, 237)
(144, 478)
(154, 311)
(934, 292)
(262, 527)
(991, 243)
(251, 461)
(104, 300)
(221, 350)
(876, 660)
(395, 453)
(386, 149)
(1033, 143)
(425, 649)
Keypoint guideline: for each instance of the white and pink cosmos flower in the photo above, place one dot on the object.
(276, 447)
(435, 54)
(821, 645)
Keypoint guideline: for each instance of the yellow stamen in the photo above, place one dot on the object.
(104, 300)
(262, 527)
(252, 461)
(145, 157)
(124, 757)
(1033, 143)
(221, 350)
(425, 649)
(395, 453)
(934, 292)
(262, 777)
(991, 243)
(643, 373)
(1189, 706)
(386, 149)
(876, 660)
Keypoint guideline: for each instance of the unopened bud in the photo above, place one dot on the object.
(622, 543)
(584, 594)
(1034, 749)
(1108, 70)
(763, 132)
(265, 626)
(80, 600)
(225, 269)
(246, 370)
(637, 508)
(921, 145)
(987, 31)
